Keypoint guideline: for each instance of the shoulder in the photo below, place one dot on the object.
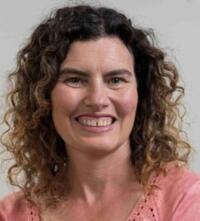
(178, 176)
(178, 194)
(13, 207)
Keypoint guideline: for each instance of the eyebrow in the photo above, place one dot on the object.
(70, 70)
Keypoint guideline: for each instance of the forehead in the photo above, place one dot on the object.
(105, 52)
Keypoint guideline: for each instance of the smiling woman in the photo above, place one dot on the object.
(80, 109)
(92, 125)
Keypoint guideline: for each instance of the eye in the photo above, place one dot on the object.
(74, 81)
(116, 80)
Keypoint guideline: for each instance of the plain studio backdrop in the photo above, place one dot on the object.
(176, 24)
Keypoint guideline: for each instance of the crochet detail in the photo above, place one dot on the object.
(144, 210)
(33, 216)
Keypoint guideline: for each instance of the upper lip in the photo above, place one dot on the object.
(96, 116)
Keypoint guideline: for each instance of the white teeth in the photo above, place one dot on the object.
(95, 122)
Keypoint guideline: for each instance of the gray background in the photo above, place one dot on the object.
(177, 26)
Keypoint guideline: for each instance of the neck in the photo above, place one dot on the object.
(92, 178)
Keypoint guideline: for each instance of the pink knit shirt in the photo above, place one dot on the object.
(177, 198)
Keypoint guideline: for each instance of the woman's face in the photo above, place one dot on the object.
(95, 98)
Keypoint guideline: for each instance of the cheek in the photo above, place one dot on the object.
(128, 102)
(64, 101)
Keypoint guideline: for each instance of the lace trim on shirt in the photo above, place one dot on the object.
(146, 209)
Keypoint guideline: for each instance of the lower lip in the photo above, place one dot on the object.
(96, 129)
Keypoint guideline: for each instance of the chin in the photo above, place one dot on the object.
(100, 148)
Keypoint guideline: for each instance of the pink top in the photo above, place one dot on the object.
(177, 198)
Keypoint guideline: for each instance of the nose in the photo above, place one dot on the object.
(97, 96)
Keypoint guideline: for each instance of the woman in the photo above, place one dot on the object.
(92, 125)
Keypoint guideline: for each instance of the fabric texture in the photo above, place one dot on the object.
(176, 197)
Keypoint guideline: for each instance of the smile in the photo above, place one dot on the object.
(95, 122)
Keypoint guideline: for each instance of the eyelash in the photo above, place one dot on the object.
(71, 80)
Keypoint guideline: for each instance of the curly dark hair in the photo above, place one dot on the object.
(38, 150)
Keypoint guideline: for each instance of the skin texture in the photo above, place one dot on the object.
(99, 163)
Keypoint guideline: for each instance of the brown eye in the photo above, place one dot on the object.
(116, 80)
(74, 81)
